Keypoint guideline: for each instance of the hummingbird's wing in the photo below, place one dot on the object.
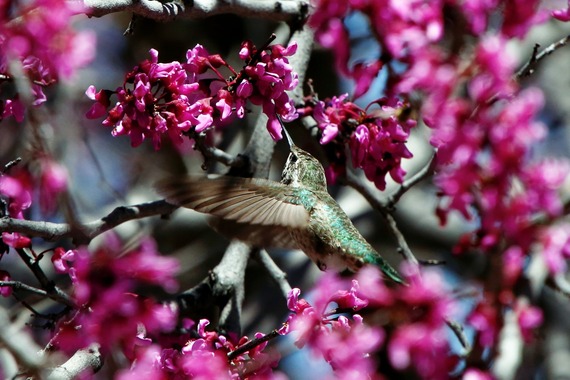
(251, 201)
(255, 234)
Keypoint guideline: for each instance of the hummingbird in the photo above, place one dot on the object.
(296, 213)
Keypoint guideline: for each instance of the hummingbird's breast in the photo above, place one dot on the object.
(330, 240)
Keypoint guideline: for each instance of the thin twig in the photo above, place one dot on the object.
(252, 344)
(52, 290)
(409, 183)
(457, 329)
(132, 24)
(274, 271)
(560, 283)
(83, 233)
(530, 66)
(432, 262)
(403, 246)
(10, 164)
(216, 154)
(17, 285)
(404, 249)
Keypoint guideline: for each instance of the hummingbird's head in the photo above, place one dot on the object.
(302, 169)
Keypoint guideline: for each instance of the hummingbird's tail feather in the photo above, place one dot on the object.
(388, 270)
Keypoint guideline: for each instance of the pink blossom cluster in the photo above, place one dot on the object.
(17, 190)
(109, 312)
(406, 28)
(562, 14)
(377, 137)
(483, 126)
(37, 35)
(172, 98)
(16, 193)
(487, 320)
(406, 325)
(203, 355)
(5, 291)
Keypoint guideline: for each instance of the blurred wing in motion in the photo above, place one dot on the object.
(254, 202)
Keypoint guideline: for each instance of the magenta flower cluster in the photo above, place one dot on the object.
(170, 99)
(17, 191)
(109, 312)
(204, 355)
(483, 127)
(377, 137)
(406, 325)
(37, 35)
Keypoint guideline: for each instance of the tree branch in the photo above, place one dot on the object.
(17, 285)
(457, 329)
(274, 271)
(409, 183)
(276, 10)
(82, 234)
(86, 359)
(529, 67)
(52, 290)
(20, 344)
(252, 344)
(404, 249)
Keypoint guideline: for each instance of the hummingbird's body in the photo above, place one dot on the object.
(297, 213)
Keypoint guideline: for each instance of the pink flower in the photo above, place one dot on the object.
(110, 313)
(102, 102)
(39, 35)
(364, 74)
(14, 107)
(62, 258)
(53, 182)
(529, 318)
(513, 263)
(417, 340)
(420, 346)
(5, 291)
(562, 14)
(17, 189)
(167, 99)
(377, 138)
(520, 16)
(484, 319)
(16, 240)
(556, 247)
(145, 366)
(477, 374)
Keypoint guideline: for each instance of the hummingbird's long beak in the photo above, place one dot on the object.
(289, 139)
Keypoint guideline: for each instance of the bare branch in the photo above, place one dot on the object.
(457, 329)
(529, 67)
(213, 153)
(274, 271)
(19, 343)
(404, 249)
(82, 234)
(276, 10)
(305, 39)
(52, 290)
(252, 344)
(17, 285)
(86, 359)
(419, 176)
